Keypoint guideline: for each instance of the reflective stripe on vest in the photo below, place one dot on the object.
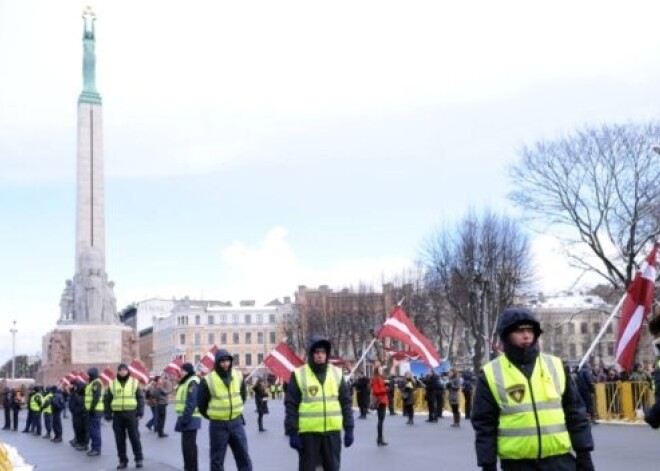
(34, 405)
(123, 397)
(182, 397)
(225, 404)
(89, 396)
(319, 409)
(529, 419)
(49, 408)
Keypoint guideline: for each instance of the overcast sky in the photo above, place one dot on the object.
(251, 147)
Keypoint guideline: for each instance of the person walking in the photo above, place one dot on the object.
(391, 387)
(16, 406)
(124, 405)
(408, 398)
(152, 402)
(57, 406)
(317, 407)
(431, 395)
(379, 390)
(189, 419)
(261, 401)
(220, 399)
(454, 385)
(161, 395)
(527, 412)
(467, 392)
(361, 386)
(93, 411)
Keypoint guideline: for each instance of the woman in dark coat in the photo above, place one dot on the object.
(261, 400)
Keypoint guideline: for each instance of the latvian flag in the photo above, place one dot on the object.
(139, 371)
(636, 307)
(106, 376)
(282, 361)
(398, 326)
(401, 354)
(207, 361)
(174, 367)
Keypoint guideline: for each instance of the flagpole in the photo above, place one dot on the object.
(602, 330)
(364, 354)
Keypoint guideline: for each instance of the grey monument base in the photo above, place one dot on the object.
(79, 347)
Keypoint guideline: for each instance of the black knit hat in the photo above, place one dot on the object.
(188, 368)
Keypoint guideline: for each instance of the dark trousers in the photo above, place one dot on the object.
(125, 423)
(232, 433)
(153, 421)
(325, 447)
(15, 412)
(57, 424)
(28, 421)
(409, 411)
(7, 418)
(79, 424)
(189, 449)
(468, 404)
(260, 420)
(94, 429)
(381, 419)
(48, 423)
(439, 403)
(161, 414)
(35, 423)
(390, 401)
(456, 413)
(432, 406)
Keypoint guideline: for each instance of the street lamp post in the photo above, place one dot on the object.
(13, 331)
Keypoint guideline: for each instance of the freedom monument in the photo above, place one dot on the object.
(89, 332)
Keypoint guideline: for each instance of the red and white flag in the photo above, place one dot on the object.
(107, 376)
(636, 308)
(64, 381)
(207, 361)
(399, 326)
(282, 361)
(79, 376)
(139, 371)
(174, 367)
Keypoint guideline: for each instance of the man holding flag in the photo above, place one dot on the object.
(526, 409)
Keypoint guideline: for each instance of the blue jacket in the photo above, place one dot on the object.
(186, 422)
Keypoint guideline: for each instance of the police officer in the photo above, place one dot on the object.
(124, 405)
(94, 410)
(78, 417)
(57, 405)
(526, 409)
(35, 411)
(318, 406)
(47, 411)
(220, 399)
(188, 420)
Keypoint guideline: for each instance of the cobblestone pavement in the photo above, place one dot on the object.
(619, 447)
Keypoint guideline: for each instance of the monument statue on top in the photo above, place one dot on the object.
(89, 297)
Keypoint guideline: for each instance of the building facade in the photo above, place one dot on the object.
(247, 331)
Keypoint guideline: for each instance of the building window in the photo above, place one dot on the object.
(198, 338)
(248, 319)
(571, 328)
(223, 338)
(609, 328)
(234, 318)
(182, 320)
(596, 328)
(260, 358)
(273, 336)
(235, 338)
(610, 349)
(223, 319)
(248, 359)
(248, 338)
(572, 351)
(197, 358)
(558, 329)
(198, 319)
(211, 320)
(585, 348)
(182, 339)
(236, 361)
(260, 337)
(211, 338)
(260, 318)
(271, 318)
(584, 328)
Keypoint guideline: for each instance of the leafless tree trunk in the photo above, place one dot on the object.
(601, 187)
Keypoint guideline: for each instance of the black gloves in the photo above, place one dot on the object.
(584, 462)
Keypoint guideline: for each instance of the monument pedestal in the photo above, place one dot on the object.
(79, 347)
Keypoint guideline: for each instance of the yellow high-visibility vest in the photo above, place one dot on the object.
(182, 397)
(319, 409)
(225, 404)
(123, 397)
(89, 396)
(35, 406)
(49, 408)
(531, 413)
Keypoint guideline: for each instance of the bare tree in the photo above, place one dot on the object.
(603, 185)
(477, 267)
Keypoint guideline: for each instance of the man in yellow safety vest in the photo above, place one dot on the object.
(189, 419)
(124, 405)
(527, 410)
(318, 406)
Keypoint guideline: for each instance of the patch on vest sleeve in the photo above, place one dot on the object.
(313, 390)
(516, 392)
